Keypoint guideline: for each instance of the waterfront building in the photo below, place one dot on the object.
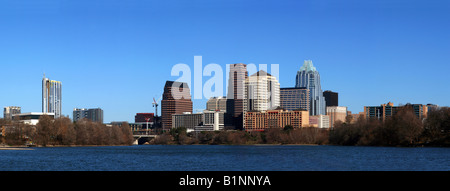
(94, 114)
(51, 97)
(176, 100)
(133, 126)
(145, 119)
(308, 77)
(278, 118)
(196, 122)
(320, 121)
(336, 113)
(9, 111)
(294, 98)
(261, 92)
(384, 111)
(235, 93)
(31, 118)
(187, 120)
(331, 98)
(217, 104)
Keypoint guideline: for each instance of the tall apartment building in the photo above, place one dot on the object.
(95, 114)
(261, 92)
(294, 98)
(384, 111)
(261, 120)
(176, 100)
(235, 93)
(51, 97)
(8, 112)
(217, 104)
(331, 98)
(308, 77)
(336, 113)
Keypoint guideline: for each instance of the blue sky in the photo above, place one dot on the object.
(117, 55)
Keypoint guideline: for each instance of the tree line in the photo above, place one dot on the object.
(402, 129)
(287, 135)
(63, 131)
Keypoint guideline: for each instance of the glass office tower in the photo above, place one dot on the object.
(308, 77)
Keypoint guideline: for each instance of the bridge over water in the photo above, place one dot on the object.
(141, 137)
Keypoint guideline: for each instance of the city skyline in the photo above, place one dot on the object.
(370, 53)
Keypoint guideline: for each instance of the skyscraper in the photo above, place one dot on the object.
(262, 92)
(235, 94)
(51, 97)
(217, 104)
(176, 100)
(308, 77)
(331, 98)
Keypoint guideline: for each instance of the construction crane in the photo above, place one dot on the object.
(155, 104)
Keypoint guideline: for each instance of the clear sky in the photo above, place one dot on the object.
(117, 55)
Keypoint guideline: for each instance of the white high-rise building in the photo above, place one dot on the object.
(261, 92)
(51, 97)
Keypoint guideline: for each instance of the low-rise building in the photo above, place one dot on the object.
(31, 118)
(320, 121)
(279, 118)
(8, 112)
(336, 113)
(388, 110)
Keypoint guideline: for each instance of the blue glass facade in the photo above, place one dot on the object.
(308, 77)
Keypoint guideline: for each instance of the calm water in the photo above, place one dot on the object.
(226, 158)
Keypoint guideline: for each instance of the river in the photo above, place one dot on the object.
(226, 158)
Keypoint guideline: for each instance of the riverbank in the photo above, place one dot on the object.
(16, 148)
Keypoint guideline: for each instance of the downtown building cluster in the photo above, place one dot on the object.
(256, 102)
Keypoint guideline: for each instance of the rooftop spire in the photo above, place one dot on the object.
(308, 66)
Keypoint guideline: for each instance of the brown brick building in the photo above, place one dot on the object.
(259, 121)
(176, 100)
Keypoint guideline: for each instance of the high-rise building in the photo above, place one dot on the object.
(95, 115)
(336, 113)
(217, 104)
(294, 98)
(8, 112)
(308, 77)
(261, 120)
(261, 92)
(176, 100)
(331, 98)
(235, 94)
(51, 97)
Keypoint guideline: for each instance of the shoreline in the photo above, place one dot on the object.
(18, 148)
